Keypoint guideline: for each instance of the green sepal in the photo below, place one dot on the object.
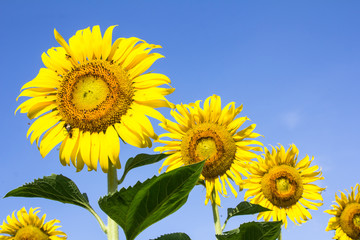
(253, 231)
(141, 160)
(173, 236)
(55, 187)
(136, 208)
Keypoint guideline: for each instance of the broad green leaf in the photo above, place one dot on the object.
(141, 160)
(174, 236)
(54, 187)
(245, 208)
(272, 230)
(254, 231)
(140, 206)
(230, 235)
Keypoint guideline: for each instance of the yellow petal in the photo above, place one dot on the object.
(36, 92)
(28, 104)
(150, 80)
(42, 124)
(95, 150)
(46, 78)
(41, 108)
(148, 111)
(129, 136)
(104, 159)
(97, 41)
(53, 137)
(124, 48)
(85, 148)
(69, 145)
(144, 65)
(114, 146)
(64, 44)
(106, 43)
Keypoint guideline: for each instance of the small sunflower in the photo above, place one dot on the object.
(28, 226)
(283, 185)
(91, 93)
(346, 221)
(210, 133)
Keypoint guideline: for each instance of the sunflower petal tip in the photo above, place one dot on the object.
(56, 34)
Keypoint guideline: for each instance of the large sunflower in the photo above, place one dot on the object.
(210, 133)
(346, 221)
(91, 93)
(282, 184)
(28, 226)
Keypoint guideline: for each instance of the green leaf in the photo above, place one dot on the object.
(272, 230)
(140, 206)
(141, 160)
(253, 231)
(54, 187)
(230, 235)
(174, 236)
(245, 208)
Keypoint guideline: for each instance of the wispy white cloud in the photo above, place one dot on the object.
(291, 119)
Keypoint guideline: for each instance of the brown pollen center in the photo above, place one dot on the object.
(30, 233)
(350, 220)
(282, 186)
(210, 142)
(94, 95)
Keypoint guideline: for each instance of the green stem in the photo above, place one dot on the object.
(102, 225)
(113, 228)
(216, 216)
(280, 235)
(224, 225)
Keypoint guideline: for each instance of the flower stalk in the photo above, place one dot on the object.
(112, 228)
(215, 210)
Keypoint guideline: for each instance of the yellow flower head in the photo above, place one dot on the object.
(28, 226)
(91, 93)
(210, 133)
(346, 220)
(280, 183)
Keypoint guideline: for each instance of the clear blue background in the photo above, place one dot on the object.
(294, 65)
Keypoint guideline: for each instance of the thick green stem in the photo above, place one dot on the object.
(113, 228)
(280, 235)
(216, 216)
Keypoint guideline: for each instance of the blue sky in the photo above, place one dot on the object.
(294, 65)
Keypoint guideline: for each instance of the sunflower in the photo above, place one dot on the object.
(210, 133)
(283, 185)
(28, 226)
(346, 221)
(91, 93)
